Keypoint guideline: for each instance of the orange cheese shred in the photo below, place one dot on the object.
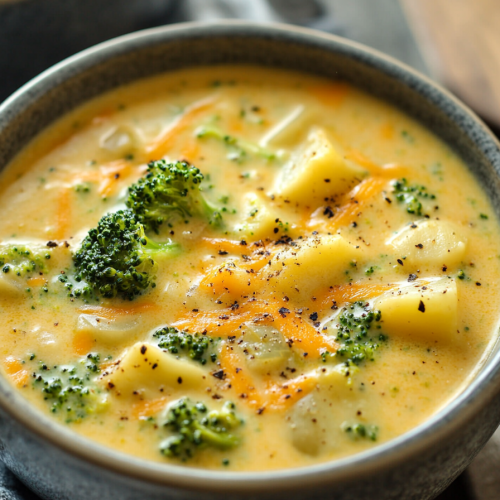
(83, 342)
(390, 170)
(16, 372)
(160, 147)
(358, 197)
(331, 94)
(234, 366)
(283, 396)
(147, 408)
(63, 215)
(116, 312)
(223, 245)
(344, 294)
(38, 281)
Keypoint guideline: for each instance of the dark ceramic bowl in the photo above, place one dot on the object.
(59, 464)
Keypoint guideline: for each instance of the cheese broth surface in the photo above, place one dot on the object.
(348, 288)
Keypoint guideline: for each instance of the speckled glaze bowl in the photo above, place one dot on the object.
(58, 464)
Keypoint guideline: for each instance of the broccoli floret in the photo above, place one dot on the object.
(360, 431)
(194, 427)
(117, 259)
(22, 260)
(196, 346)
(169, 191)
(70, 391)
(410, 195)
(356, 345)
(239, 148)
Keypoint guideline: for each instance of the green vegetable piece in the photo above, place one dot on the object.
(118, 259)
(169, 191)
(70, 391)
(194, 428)
(360, 431)
(355, 323)
(410, 195)
(22, 260)
(196, 346)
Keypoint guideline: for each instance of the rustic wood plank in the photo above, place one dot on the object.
(460, 41)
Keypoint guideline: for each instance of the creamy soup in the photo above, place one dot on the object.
(243, 269)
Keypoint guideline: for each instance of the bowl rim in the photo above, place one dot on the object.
(391, 454)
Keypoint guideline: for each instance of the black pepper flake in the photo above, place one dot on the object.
(179, 380)
(327, 180)
(275, 230)
(477, 283)
(313, 316)
(419, 245)
(260, 411)
(412, 277)
(223, 252)
(444, 268)
(284, 311)
(143, 349)
(155, 366)
(421, 306)
(400, 262)
(243, 243)
(328, 212)
(219, 374)
(51, 244)
(388, 200)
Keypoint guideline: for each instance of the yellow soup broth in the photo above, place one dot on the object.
(331, 283)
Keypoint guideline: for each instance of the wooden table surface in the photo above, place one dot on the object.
(460, 41)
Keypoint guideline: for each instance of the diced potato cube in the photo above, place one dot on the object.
(267, 348)
(312, 419)
(306, 436)
(421, 313)
(316, 172)
(430, 244)
(314, 264)
(146, 369)
(109, 331)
